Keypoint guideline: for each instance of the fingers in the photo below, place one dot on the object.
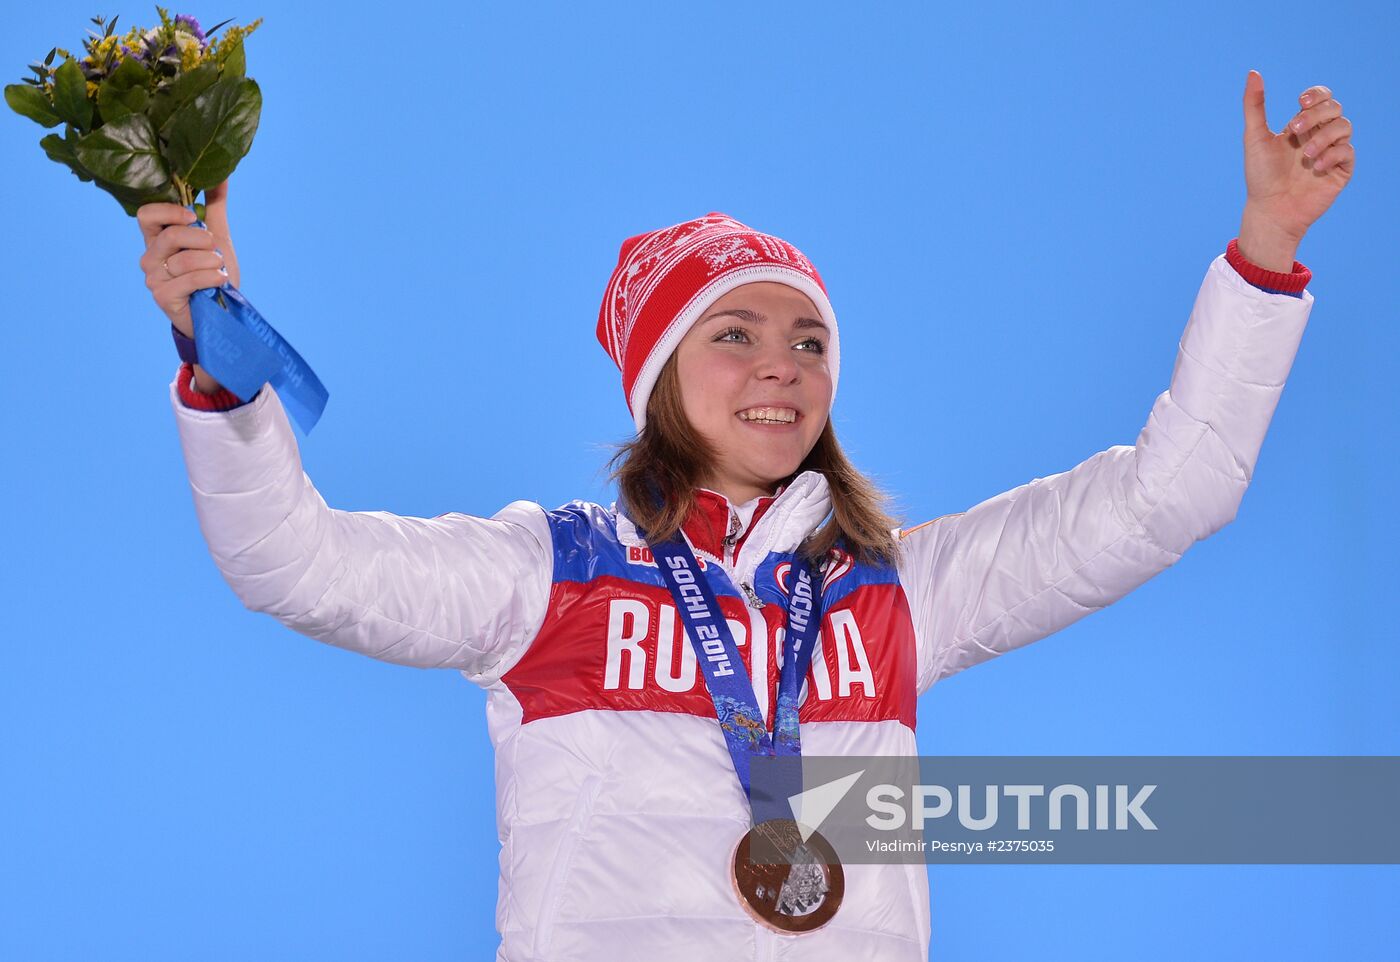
(173, 238)
(1306, 120)
(1341, 154)
(179, 259)
(181, 286)
(172, 296)
(186, 262)
(1314, 95)
(1326, 135)
(153, 218)
(1321, 127)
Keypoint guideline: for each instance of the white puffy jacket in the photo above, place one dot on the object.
(617, 806)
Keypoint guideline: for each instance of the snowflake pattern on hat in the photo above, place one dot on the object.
(730, 250)
(647, 262)
(651, 297)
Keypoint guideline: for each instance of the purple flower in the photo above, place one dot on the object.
(148, 45)
(192, 23)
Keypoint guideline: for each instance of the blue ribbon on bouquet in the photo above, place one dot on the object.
(242, 351)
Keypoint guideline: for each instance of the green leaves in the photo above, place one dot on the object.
(64, 150)
(61, 151)
(125, 153)
(135, 122)
(170, 97)
(33, 103)
(232, 59)
(70, 95)
(209, 135)
(124, 92)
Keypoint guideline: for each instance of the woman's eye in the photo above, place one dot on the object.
(814, 345)
(733, 331)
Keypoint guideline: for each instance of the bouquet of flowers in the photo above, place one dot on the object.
(157, 116)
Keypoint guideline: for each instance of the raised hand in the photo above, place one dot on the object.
(180, 259)
(1293, 176)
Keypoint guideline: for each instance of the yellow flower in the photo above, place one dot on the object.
(188, 45)
(91, 87)
(231, 37)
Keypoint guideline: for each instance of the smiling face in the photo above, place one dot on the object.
(754, 382)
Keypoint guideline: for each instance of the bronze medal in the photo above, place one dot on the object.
(800, 894)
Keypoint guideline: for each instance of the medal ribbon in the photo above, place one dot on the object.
(744, 727)
(242, 351)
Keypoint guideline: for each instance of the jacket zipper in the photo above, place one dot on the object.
(751, 595)
(731, 537)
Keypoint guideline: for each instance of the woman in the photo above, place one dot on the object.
(620, 798)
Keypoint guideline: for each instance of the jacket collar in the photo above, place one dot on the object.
(714, 520)
(779, 525)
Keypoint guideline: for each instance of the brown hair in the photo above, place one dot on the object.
(670, 459)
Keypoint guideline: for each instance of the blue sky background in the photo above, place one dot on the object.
(1013, 208)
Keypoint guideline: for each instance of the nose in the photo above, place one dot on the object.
(778, 363)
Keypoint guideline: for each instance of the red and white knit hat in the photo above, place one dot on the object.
(665, 279)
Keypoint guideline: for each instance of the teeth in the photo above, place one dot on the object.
(769, 415)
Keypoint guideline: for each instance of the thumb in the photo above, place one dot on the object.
(1256, 124)
(216, 208)
(217, 195)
